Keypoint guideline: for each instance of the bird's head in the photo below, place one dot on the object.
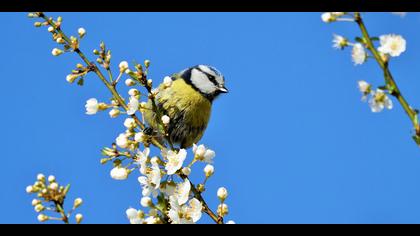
(205, 79)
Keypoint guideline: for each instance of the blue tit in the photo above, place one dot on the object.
(187, 101)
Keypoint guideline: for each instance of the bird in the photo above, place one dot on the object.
(186, 98)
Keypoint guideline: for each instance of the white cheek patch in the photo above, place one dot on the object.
(200, 81)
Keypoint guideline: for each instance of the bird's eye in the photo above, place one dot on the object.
(211, 77)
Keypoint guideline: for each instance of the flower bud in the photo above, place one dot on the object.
(131, 213)
(123, 66)
(166, 119)
(222, 210)
(208, 170)
(42, 217)
(71, 78)
(29, 189)
(51, 178)
(39, 208)
(56, 52)
(77, 202)
(222, 194)
(81, 32)
(201, 188)
(114, 113)
(149, 82)
(79, 218)
(147, 63)
(40, 177)
(130, 123)
(35, 202)
(146, 202)
(119, 173)
(167, 81)
(130, 82)
(50, 29)
(133, 92)
(53, 186)
(186, 171)
(60, 40)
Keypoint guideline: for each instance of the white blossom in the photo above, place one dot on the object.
(130, 123)
(139, 137)
(151, 220)
(142, 160)
(183, 214)
(358, 54)
(122, 141)
(230, 222)
(175, 161)
(92, 106)
(339, 42)
(379, 101)
(168, 188)
(392, 44)
(133, 105)
(365, 88)
(136, 221)
(203, 154)
(182, 192)
(151, 182)
(119, 173)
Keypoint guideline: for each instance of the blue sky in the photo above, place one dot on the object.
(294, 142)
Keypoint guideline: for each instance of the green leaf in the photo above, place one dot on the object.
(416, 139)
(66, 189)
(374, 38)
(383, 87)
(81, 82)
(360, 40)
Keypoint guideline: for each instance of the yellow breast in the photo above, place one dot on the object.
(188, 109)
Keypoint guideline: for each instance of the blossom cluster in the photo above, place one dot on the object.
(382, 49)
(50, 196)
(167, 192)
(390, 45)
